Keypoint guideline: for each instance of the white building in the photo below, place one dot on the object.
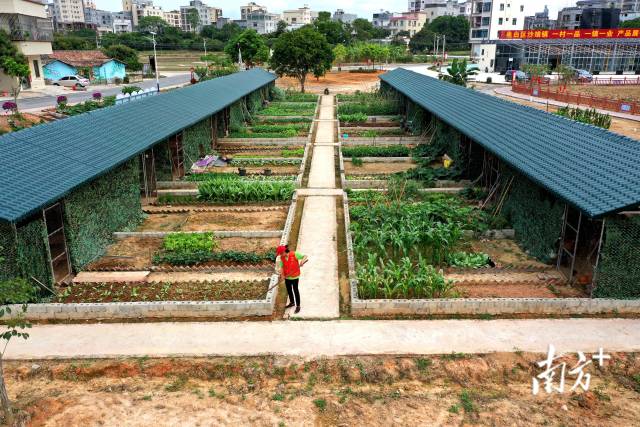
(487, 18)
(435, 8)
(141, 8)
(203, 15)
(383, 18)
(31, 32)
(122, 25)
(250, 8)
(262, 22)
(173, 18)
(215, 13)
(299, 17)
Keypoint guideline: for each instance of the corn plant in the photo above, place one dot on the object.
(590, 116)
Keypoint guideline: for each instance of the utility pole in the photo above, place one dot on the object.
(155, 60)
(206, 63)
(444, 44)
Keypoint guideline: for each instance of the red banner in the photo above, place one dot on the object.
(620, 33)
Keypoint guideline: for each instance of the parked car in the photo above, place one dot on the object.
(521, 76)
(583, 76)
(70, 81)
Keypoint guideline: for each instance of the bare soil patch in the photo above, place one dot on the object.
(211, 221)
(628, 92)
(176, 291)
(377, 168)
(137, 252)
(506, 253)
(448, 390)
(339, 81)
(259, 170)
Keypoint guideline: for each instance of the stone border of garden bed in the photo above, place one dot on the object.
(162, 309)
(473, 306)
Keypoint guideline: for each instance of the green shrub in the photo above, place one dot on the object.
(245, 191)
(292, 153)
(357, 162)
(128, 90)
(590, 116)
(378, 108)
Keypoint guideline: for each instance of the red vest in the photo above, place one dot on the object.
(290, 266)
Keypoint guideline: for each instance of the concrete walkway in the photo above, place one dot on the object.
(318, 230)
(325, 338)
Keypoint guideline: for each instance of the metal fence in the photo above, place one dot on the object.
(122, 98)
(604, 103)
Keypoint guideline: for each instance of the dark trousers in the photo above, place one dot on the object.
(292, 289)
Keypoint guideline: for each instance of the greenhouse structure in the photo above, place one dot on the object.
(68, 185)
(571, 191)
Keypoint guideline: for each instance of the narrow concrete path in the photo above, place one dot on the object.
(326, 338)
(318, 236)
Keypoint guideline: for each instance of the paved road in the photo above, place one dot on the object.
(73, 97)
(311, 339)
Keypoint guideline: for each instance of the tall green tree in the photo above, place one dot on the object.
(124, 54)
(151, 23)
(339, 54)
(300, 52)
(250, 43)
(455, 28)
(193, 19)
(334, 31)
(365, 31)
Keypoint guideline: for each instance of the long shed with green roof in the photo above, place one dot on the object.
(66, 186)
(570, 190)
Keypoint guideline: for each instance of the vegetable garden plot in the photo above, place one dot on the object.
(402, 248)
(361, 168)
(286, 109)
(363, 132)
(158, 291)
(280, 130)
(143, 253)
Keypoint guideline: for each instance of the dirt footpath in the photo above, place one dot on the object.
(450, 390)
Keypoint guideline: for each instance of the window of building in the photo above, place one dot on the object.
(500, 21)
(482, 53)
(521, 8)
(501, 6)
(36, 68)
(486, 20)
(515, 21)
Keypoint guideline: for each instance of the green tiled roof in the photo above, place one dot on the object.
(593, 169)
(40, 165)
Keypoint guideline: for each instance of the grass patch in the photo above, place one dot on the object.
(321, 404)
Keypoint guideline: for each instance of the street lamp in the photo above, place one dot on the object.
(155, 60)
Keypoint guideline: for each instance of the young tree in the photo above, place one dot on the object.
(334, 31)
(13, 64)
(251, 45)
(14, 291)
(124, 54)
(193, 19)
(457, 73)
(339, 54)
(299, 52)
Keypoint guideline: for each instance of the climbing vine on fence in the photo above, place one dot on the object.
(96, 210)
(619, 269)
(31, 251)
(536, 216)
(194, 137)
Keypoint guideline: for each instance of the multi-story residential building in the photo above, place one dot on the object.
(262, 22)
(215, 13)
(487, 19)
(204, 18)
(102, 19)
(382, 19)
(435, 8)
(540, 21)
(250, 8)
(91, 4)
(464, 9)
(590, 14)
(342, 16)
(569, 18)
(173, 18)
(141, 8)
(31, 32)
(66, 12)
(122, 25)
(409, 23)
(296, 18)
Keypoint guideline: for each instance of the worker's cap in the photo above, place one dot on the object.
(280, 250)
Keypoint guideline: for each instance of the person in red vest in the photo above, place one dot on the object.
(288, 266)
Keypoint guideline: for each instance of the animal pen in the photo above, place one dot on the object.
(67, 186)
(571, 191)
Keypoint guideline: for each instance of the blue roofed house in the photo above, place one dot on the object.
(92, 64)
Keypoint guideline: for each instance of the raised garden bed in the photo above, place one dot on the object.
(163, 291)
(288, 109)
(364, 132)
(280, 130)
(212, 221)
(377, 168)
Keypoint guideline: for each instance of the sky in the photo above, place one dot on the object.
(364, 9)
